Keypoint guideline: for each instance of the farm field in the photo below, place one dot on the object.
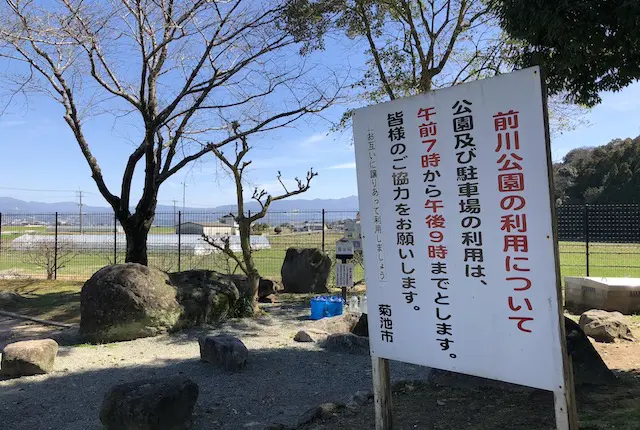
(606, 260)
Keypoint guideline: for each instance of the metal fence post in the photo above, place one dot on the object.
(586, 234)
(55, 250)
(179, 238)
(322, 230)
(115, 239)
(637, 211)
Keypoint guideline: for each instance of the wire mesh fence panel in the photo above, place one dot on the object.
(614, 240)
(598, 240)
(27, 245)
(85, 244)
(572, 240)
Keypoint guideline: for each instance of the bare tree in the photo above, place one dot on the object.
(236, 164)
(178, 71)
(44, 254)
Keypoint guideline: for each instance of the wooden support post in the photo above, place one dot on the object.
(382, 393)
(564, 397)
(565, 400)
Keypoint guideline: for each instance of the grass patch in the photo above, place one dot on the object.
(50, 300)
(607, 260)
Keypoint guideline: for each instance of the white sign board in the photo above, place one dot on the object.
(344, 275)
(457, 231)
(344, 247)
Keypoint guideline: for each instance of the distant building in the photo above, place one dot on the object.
(66, 228)
(228, 219)
(208, 228)
(310, 226)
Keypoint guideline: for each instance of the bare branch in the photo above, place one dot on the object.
(225, 248)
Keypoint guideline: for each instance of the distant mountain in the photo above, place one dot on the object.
(9, 205)
(344, 204)
(284, 211)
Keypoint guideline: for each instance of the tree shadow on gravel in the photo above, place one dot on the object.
(435, 406)
(279, 384)
(276, 386)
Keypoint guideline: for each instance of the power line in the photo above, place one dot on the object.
(44, 191)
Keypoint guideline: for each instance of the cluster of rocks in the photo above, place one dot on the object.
(346, 333)
(328, 410)
(128, 301)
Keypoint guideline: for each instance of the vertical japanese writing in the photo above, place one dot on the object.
(386, 324)
(513, 221)
(468, 191)
(436, 224)
(377, 222)
(405, 239)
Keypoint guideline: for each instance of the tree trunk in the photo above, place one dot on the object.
(136, 234)
(253, 276)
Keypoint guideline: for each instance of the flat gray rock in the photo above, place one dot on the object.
(29, 357)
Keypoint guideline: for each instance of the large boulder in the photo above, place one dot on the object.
(305, 270)
(605, 326)
(588, 366)
(224, 351)
(205, 296)
(29, 357)
(150, 404)
(127, 301)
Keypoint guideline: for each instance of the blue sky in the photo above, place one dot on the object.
(39, 151)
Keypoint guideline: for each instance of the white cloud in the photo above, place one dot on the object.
(314, 138)
(278, 162)
(351, 165)
(273, 187)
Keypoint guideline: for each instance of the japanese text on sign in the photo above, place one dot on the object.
(457, 230)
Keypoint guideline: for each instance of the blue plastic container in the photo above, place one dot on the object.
(318, 307)
(334, 306)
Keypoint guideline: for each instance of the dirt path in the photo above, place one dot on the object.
(13, 330)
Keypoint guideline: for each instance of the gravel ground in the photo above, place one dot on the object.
(282, 379)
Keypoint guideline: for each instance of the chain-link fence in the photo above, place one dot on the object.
(599, 240)
(70, 246)
(594, 240)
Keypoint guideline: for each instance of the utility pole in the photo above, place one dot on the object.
(184, 192)
(174, 212)
(79, 193)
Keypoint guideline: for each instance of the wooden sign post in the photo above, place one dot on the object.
(382, 393)
(344, 271)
